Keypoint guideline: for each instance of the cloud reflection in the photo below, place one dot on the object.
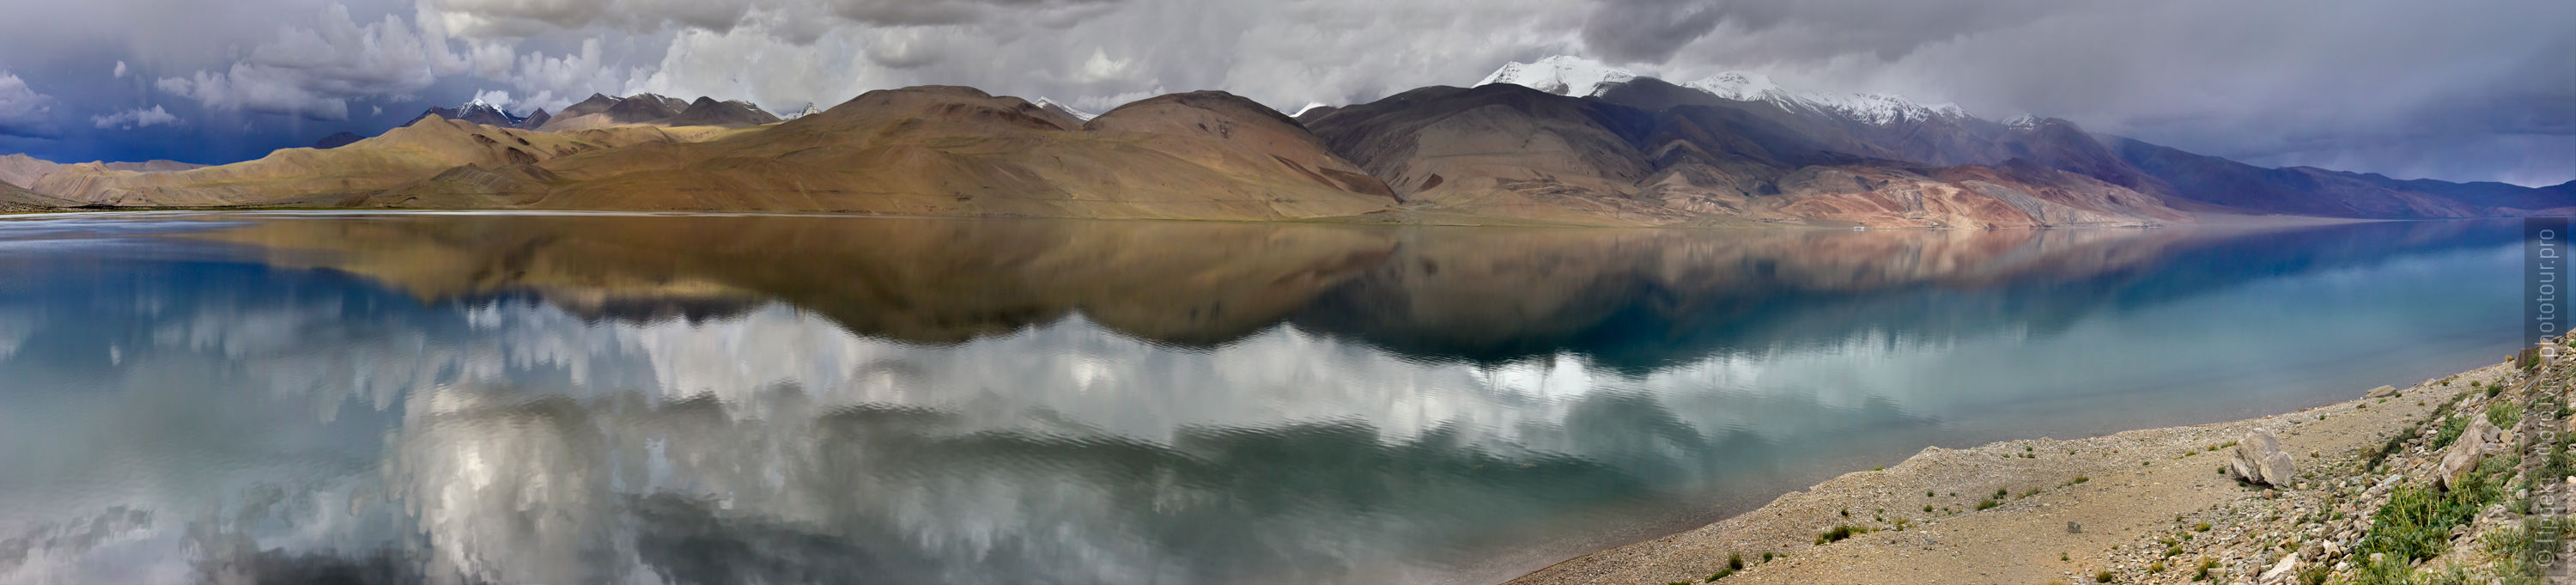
(1371, 408)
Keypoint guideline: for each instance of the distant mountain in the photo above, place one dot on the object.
(536, 119)
(1059, 109)
(602, 111)
(1893, 128)
(2314, 191)
(1506, 150)
(1561, 75)
(709, 112)
(476, 111)
(25, 171)
(339, 139)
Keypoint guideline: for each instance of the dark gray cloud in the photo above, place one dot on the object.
(1647, 30)
(2478, 90)
(2292, 81)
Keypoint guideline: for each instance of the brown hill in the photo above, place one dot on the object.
(709, 112)
(23, 170)
(14, 199)
(602, 111)
(338, 139)
(26, 171)
(305, 175)
(1511, 152)
(954, 151)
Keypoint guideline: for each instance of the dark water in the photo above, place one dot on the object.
(632, 399)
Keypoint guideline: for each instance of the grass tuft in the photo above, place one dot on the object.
(1839, 533)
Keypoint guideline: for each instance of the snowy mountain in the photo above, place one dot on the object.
(808, 111)
(1561, 75)
(476, 111)
(1059, 107)
(1579, 77)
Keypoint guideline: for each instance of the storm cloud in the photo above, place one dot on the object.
(2471, 91)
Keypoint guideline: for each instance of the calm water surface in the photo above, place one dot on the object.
(470, 398)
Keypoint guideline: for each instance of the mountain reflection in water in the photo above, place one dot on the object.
(665, 399)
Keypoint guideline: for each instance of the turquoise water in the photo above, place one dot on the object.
(460, 398)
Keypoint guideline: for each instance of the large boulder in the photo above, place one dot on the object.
(2380, 392)
(2283, 573)
(2462, 457)
(2258, 458)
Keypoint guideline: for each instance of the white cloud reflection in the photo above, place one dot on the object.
(291, 421)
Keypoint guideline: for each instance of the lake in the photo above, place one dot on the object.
(595, 398)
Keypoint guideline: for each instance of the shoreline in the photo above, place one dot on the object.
(2207, 221)
(2066, 511)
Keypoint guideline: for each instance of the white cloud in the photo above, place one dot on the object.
(120, 70)
(23, 112)
(134, 118)
(314, 72)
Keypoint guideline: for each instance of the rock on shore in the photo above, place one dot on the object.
(2258, 458)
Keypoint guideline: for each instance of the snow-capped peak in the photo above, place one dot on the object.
(1870, 108)
(2022, 122)
(478, 104)
(1580, 77)
(1310, 106)
(1742, 86)
(1882, 109)
(1077, 114)
(1561, 75)
(808, 111)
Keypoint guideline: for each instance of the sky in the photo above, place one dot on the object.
(2469, 90)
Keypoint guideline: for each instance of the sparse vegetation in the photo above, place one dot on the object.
(2416, 522)
(2504, 414)
(2102, 577)
(2205, 566)
(1839, 533)
(2451, 429)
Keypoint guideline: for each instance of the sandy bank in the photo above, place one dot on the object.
(2068, 509)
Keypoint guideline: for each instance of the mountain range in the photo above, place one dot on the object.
(1558, 141)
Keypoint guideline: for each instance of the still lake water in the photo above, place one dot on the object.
(495, 398)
